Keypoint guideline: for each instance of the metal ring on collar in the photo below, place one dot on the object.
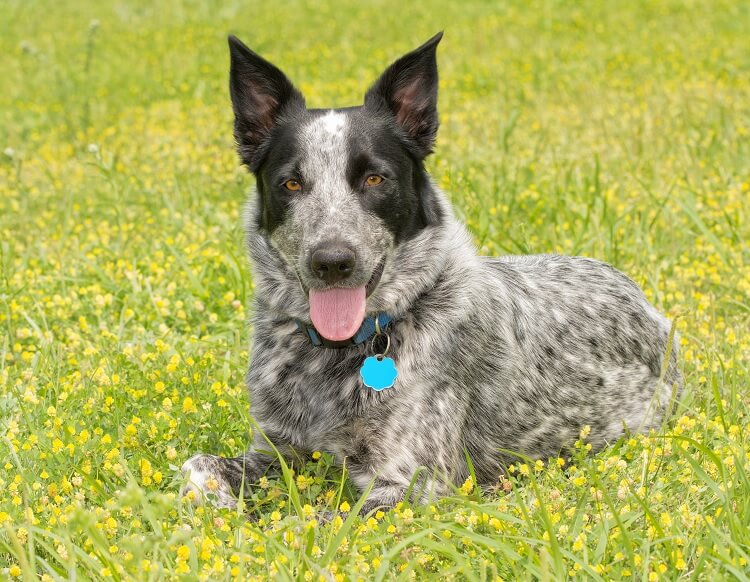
(387, 345)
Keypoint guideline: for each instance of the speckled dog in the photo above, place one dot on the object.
(494, 356)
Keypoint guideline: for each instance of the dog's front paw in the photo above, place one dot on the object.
(205, 481)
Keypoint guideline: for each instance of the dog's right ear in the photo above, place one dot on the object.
(261, 94)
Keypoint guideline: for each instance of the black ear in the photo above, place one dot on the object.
(408, 89)
(261, 94)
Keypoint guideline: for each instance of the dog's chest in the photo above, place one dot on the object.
(312, 396)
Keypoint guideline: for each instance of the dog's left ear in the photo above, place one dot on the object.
(408, 89)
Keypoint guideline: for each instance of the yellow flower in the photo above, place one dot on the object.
(468, 486)
(303, 482)
(183, 552)
(579, 542)
(146, 468)
(188, 405)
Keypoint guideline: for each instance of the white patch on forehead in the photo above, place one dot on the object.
(324, 163)
(326, 133)
(333, 123)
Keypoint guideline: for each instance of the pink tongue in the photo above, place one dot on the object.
(337, 314)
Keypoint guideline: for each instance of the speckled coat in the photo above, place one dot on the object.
(496, 356)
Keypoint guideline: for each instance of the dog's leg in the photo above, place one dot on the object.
(386, 494)
(223, 478)
(383, 495)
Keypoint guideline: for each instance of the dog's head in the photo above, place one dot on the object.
(339, 190)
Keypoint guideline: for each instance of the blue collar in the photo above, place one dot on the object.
(365, 332)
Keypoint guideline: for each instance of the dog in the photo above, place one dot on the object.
(382, 338)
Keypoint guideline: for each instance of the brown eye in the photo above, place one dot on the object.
(374, 180)
(293, 185)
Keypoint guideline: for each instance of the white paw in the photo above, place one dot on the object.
(204, 482)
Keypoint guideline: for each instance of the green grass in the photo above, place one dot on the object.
(617, 130)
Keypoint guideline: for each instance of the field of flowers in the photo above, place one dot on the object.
(617, 130)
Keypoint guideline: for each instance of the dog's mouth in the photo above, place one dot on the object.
(375, 279)
(337, 312)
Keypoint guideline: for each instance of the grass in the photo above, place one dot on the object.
(615, 130)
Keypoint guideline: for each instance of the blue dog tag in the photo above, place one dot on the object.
(378, 372)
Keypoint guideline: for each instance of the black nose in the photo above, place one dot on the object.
(332, 263)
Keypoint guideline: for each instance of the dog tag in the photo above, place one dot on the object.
(378, 372)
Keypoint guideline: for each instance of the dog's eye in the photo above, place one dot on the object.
(374, 180)
(293, 185)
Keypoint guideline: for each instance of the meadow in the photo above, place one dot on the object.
(615, 130)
